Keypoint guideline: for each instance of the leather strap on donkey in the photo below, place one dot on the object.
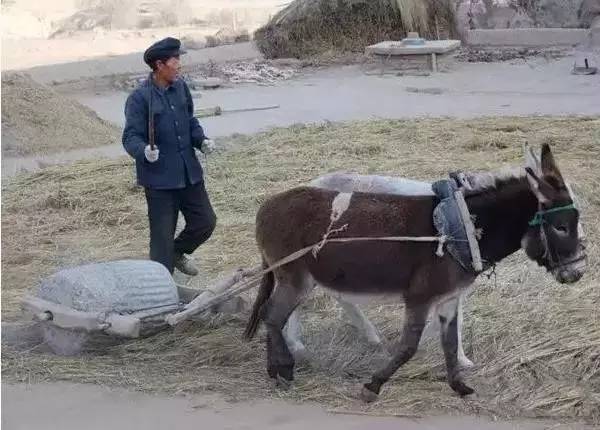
(451, 218)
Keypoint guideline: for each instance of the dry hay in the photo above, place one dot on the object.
(588, 12)
(37, 120)
(536, 343)
(308, 28)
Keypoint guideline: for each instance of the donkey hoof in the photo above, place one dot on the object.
(367, 395)
(282, 383)
(461, 388)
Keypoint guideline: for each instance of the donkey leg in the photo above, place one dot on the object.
(416, 318)
(463, 360)
(448, 316)
(292, 335)
(359, 320)
(281, 304)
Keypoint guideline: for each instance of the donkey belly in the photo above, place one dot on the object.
(363, 299)
(364, 269)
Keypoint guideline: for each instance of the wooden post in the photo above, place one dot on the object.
(68, 318)
(434, 66)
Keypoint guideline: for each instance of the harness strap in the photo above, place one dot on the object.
(538, 219)
(302, 252)
(253, 280)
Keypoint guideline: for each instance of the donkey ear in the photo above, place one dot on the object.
(531, 159)
(541, 189)
(549, 166)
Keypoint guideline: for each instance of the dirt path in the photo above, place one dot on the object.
(346, 93)
(70, 406)
(133, 63)
(533, 87)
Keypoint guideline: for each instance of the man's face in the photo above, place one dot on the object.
(169, 69)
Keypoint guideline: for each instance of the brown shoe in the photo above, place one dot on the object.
(185, 265)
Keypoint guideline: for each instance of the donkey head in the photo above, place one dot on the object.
(554, 237)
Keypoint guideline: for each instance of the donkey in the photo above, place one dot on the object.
(348, 183)
(352, 182)
(532, 210)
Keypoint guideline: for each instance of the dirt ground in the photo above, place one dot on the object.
(72, 407)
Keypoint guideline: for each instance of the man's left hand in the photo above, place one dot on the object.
(207, 146)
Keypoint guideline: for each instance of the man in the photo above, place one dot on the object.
(161, 133)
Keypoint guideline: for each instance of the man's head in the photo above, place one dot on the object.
(163, 58)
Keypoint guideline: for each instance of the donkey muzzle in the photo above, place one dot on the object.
(571, 271)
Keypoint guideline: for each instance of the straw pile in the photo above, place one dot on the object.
(307, 28)
(37, 120)
(536, 343)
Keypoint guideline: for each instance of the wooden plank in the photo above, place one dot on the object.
(125, 326)
(213, 295)
(186, 295)
(67, 318)
(218, 110)
(470, 229)
(63, 316)
(397, 48)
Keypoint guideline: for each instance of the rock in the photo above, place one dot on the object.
(193, 43)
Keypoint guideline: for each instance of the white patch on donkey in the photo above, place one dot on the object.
(339, 205)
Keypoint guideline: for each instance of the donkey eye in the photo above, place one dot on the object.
(563, 229)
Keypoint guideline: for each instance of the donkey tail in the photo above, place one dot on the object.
(264, 292)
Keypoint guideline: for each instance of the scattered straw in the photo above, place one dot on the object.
(536, 343)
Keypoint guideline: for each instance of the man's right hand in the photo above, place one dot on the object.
(151, 155)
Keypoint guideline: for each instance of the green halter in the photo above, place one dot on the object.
(538, 219)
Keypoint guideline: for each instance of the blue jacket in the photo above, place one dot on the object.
(176, 133)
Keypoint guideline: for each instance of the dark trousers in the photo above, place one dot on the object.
(163, 211)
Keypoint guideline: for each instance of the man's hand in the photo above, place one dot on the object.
(151, 155)
(207, 146)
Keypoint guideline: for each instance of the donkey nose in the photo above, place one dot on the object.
(567, 276)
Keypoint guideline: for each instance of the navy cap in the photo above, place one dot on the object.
(163, 50)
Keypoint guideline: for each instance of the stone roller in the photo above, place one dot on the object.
(126, 298)
(121, 299)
